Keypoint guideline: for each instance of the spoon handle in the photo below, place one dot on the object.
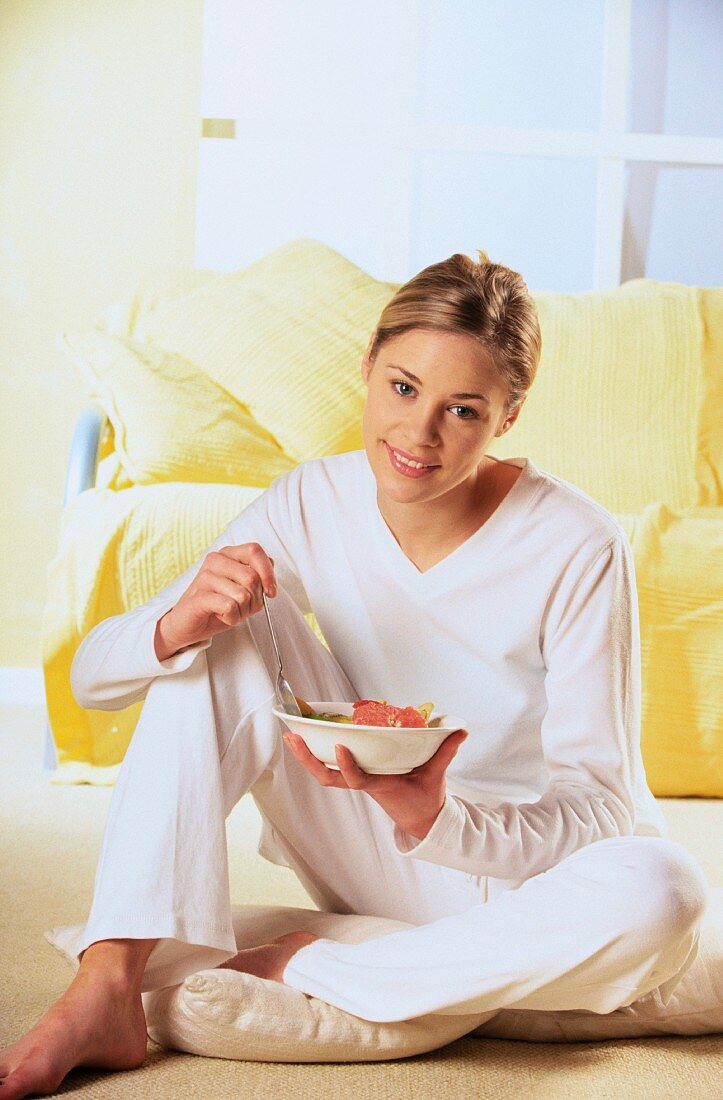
(284, 694)
(273, 633)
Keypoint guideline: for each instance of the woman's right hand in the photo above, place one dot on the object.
(226, 591)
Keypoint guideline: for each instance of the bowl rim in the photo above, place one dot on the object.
(358, 727)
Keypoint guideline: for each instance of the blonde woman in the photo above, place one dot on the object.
(528, 852)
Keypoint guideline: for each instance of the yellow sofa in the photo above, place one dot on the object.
(209, 385)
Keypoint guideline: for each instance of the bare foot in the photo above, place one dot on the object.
(95, 1024)
(270, 959)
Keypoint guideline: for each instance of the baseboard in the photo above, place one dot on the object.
(22, 686)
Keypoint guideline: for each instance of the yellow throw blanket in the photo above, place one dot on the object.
(117, 549)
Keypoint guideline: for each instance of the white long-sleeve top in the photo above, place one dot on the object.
(528, 631)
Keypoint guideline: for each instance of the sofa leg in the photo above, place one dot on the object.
(50, 760)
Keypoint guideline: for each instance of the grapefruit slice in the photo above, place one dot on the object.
(409, 718)
(373, 712)
(370, 712)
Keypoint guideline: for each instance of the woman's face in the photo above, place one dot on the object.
(435, 397)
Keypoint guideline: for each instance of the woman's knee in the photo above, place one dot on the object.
(672, 892)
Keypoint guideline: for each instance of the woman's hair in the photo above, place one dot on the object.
(480, 299)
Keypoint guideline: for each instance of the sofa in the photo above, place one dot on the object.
(204, 386)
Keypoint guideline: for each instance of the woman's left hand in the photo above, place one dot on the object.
(413, 801)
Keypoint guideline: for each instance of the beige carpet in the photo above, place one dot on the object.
(49, 842)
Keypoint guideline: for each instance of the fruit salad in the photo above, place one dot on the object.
(376, 712)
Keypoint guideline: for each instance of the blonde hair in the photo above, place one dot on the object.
(476, 298)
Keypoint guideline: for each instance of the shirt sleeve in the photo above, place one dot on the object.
(591, 651)
(116, 662)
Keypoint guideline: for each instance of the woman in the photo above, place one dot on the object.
(529, 851)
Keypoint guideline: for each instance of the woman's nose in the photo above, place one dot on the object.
(423, 428)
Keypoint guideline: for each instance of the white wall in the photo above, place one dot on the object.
(98, 142)
(399, 131)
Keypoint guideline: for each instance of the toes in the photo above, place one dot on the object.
(28, 1080)
(7, 1062)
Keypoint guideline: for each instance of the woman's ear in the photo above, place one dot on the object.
(510, 418)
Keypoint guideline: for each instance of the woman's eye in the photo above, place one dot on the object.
(472, 414)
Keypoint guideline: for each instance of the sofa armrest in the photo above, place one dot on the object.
(84, 452)
(80, 475)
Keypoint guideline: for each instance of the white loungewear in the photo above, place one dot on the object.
(547, 881)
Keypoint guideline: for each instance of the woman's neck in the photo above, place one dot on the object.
(447, 521)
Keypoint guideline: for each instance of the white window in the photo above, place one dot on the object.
(578, 141)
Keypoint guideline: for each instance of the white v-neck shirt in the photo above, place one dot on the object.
(528, 632)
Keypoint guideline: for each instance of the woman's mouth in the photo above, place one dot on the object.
(404, 466)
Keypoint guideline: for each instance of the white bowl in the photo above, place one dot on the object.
(379, 750)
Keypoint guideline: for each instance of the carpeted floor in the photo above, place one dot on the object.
(49, 842)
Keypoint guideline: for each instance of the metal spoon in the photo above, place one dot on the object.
(284, 694)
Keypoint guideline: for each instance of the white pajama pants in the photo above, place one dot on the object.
(602, 928)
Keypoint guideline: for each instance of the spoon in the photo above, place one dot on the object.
(284, 694)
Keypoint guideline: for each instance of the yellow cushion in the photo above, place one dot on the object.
(156, 288)
(679, 570)
(618, 406)
(708, 458)
(170, 421)
(285, 336)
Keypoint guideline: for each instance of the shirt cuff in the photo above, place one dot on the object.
(434, 846)
(178, 662)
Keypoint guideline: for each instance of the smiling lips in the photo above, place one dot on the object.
(407, 466)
